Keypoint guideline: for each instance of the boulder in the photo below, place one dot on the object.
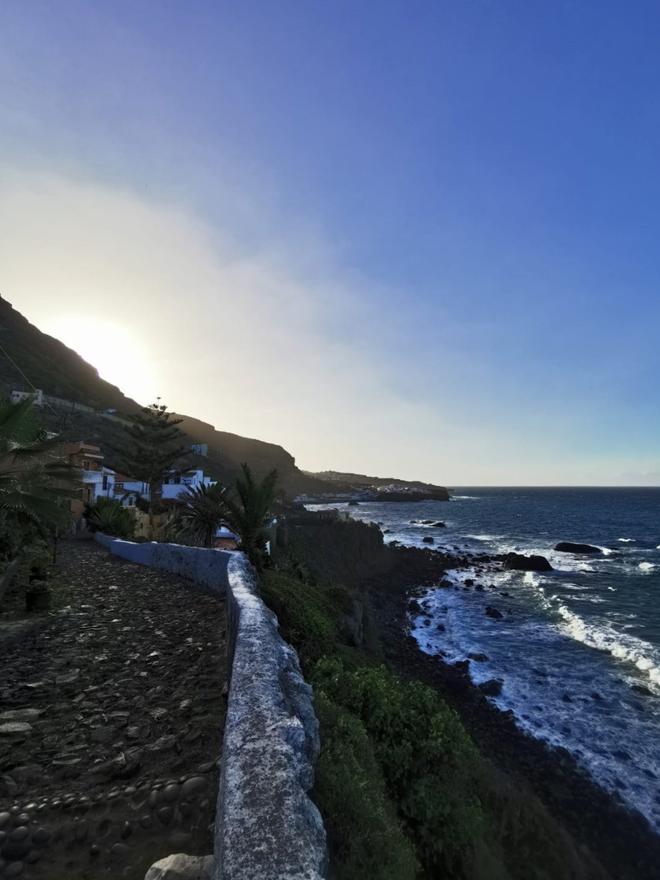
(181, 867)
(492, 688)
(518, 562)
(428, 540)
(494, 613)
(569, 547)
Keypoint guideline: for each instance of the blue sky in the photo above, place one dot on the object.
(407, 238)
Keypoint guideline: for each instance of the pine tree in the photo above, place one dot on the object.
(153, 450)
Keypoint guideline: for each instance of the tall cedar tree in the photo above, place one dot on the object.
(153, 451)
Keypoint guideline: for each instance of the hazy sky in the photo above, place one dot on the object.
(409, 238)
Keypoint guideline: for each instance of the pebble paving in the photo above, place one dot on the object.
(111, 721)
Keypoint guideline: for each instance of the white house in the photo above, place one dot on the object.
(128, 489)
(180, 481)
(37, 396)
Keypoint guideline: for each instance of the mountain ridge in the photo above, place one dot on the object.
(30, 358)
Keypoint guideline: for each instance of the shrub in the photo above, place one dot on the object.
(306, 614)
(363, 831)
(111, 518)
(429, 763)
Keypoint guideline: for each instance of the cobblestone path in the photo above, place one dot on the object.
(111, 723)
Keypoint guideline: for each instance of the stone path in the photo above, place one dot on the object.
(111, 723)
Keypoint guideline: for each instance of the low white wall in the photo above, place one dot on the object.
(267, 828)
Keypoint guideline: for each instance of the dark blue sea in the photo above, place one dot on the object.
(578, 649)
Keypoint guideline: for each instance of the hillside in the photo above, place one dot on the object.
(50, 365)
(60, 372)
(392, 487)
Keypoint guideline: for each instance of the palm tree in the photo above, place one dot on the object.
(34, 481)
(250, 514)
(203, 512)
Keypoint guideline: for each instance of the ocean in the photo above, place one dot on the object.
(577, 649)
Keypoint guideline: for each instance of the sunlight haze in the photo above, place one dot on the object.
(340, 255)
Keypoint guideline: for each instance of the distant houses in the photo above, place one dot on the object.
(100, 481)
(36, 396)
(181, 480)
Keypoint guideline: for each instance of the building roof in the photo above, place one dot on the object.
(79, 446)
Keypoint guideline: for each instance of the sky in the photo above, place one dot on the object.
(413, 239)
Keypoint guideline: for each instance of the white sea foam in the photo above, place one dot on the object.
(646, 566)
(625, 648)
(485, 537)
(627, 540)
(534, 687)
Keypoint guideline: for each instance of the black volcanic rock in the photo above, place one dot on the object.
(569, 547)
(492, 688)
(518, 562)
(494, 613)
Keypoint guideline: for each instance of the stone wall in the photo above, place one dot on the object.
(267, 827)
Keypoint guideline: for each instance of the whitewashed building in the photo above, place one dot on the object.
(37, 396)
(180, 481)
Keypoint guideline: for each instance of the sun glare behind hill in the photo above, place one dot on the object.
(118, 355)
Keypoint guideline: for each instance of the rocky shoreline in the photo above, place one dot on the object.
(618, 838)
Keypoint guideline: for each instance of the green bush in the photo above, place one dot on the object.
(307, 614)
(363, 831)
(430, 765)
(112, 518)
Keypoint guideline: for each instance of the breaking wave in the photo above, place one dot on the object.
(625, 648)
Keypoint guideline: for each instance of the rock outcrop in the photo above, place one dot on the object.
(182, 867)
(519, 562)
(570, 547)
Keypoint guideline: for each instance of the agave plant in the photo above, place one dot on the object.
(35, 484)
(250, 514)
(203, 511)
